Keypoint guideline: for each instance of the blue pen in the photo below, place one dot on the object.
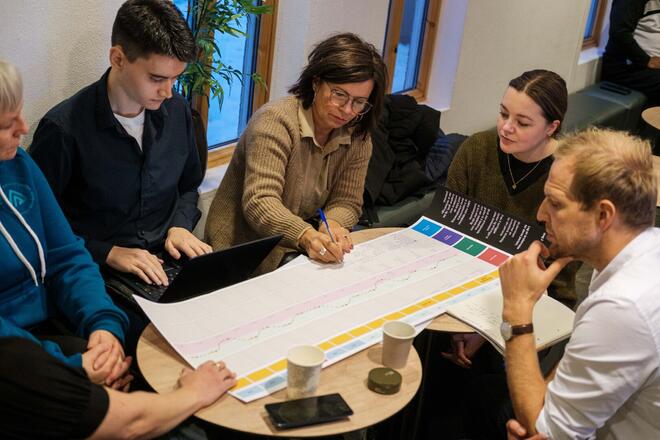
(325, 222)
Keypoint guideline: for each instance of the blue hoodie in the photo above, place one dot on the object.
(44, 267)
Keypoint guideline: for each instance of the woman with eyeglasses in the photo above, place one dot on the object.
(302, 153)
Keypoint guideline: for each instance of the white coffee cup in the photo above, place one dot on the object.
(303, 370)
(397, 339)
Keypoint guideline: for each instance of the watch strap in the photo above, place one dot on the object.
(522, 329)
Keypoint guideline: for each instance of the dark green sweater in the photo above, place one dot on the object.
(475, 171)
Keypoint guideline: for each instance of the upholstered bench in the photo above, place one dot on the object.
(604, 105)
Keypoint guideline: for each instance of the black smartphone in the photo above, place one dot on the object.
(308, 411)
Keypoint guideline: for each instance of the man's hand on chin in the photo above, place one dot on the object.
(180, 240)
(524, 278)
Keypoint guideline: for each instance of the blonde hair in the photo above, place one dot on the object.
(11, 87)
(612, 165)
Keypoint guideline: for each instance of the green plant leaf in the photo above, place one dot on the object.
(209, 75)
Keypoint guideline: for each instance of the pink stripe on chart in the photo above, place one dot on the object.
(286, 316)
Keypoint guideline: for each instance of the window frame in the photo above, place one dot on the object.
(222, 154)
(593, 40)
(395, 16)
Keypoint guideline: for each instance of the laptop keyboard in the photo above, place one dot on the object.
(153, 291)
(201, 276)
(127, 284)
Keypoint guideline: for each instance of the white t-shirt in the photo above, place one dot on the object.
(647, 31)
(607, 385)
(134, 126)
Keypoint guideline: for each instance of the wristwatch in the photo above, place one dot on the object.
(508, 331)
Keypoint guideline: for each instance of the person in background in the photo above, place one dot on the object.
(46, 272)
(599, 207)
(304, 152)
(56, 401)
(632, 54)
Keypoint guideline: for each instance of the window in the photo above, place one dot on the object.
(411, 30)
(594, 24)
(249, 55)
(226, 123)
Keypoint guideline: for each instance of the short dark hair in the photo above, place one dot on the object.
(340, 59)
(548, 90)
(145, 27)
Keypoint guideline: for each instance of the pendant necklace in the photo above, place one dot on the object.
(515, 184)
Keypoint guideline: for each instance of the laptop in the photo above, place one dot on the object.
(196, 276)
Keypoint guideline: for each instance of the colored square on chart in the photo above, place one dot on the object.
(448, 237)
(359, 331)
(427, 228)
(325, 346)
(260, 374)
(353, 345)
(456, 290)
(426, 303)
(376, 324)
(411, 309)
(337, 340)
(242, 382)
(393, 316)
(274, 383)
(251, 391)
(493, 257)
(488, 277)
(279, 365)
(330, 355)
(471, 285)
(470, 247)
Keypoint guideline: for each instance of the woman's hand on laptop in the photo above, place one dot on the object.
(138, 262)
(180, 240)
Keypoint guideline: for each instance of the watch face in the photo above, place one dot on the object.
(505, 330)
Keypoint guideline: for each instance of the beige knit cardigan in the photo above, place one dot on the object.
(261, 193)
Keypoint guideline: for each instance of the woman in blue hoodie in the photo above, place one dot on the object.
(44, 268)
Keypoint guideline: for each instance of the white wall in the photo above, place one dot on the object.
(61, 46)
(303, 23)
(500, 40)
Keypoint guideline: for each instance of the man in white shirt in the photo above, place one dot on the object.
(599, 207)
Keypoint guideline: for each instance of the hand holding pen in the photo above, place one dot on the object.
(323, 245)
(338, 234)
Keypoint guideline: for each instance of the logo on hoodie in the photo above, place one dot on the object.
(20, 196)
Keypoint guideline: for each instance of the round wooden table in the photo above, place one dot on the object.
(161, 367)
(652, 117)
(442, 323)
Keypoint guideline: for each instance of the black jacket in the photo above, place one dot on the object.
(405, 133)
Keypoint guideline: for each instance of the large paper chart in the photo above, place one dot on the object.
(412, 275)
